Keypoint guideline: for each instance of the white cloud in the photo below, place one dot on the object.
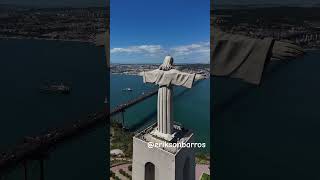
(150, 49)
(196, 48)
(195, 52)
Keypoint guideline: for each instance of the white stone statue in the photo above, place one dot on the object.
(165, 77)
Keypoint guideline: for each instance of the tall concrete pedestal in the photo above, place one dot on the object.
(163, 163)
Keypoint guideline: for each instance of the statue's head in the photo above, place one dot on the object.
(167, 64)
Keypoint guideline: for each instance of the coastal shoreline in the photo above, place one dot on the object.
(312, 49)
(125, 74)
(46, 39)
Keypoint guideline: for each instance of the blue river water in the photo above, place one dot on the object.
(191, 106)
(27, 64)
(265, 132)
(269, 131)
(24, 67)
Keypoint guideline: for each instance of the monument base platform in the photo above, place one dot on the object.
(159, 163)
(167, 137)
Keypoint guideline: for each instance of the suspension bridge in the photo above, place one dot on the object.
(38, 147)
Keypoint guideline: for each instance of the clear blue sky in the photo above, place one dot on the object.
(144, 31)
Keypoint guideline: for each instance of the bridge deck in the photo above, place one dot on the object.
(39, 146)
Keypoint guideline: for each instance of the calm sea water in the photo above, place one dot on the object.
(26, 64)
(191, 106)
(271, 131)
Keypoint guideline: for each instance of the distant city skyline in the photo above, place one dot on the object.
(145, 31)
(261, 2)
(57, 3)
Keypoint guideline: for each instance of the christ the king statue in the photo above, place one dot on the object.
(165, 77)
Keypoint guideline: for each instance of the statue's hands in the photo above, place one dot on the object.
(285, 50)
(198, 77)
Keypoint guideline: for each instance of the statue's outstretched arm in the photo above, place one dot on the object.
(141, 73)
(242, 57)
(198, 77)
(149, 76)
(282, 50)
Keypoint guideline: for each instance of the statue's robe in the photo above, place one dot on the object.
(165, 80)
(239, 56)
